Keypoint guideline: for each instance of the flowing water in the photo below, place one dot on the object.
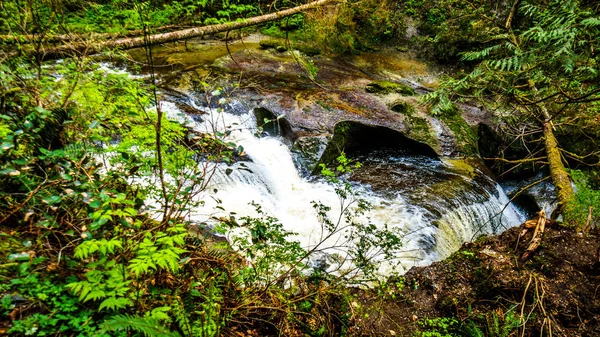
(437, 204)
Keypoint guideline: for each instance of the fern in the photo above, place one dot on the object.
(472, 330)
(591, 22)
(149, 326)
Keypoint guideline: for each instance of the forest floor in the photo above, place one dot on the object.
(485, 290)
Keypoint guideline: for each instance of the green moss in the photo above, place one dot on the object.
(587, 195)
(420, 130)
(324, 105)
(404, 108)
(386, 87)
(308, 50)
(271, 43)
(8, 245)
(281, 46)
(465, 135)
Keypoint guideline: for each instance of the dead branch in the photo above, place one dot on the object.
(536, 240)
(586, 228)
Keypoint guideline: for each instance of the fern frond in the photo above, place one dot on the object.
(472, 330)
(591, 22)
(150, 327)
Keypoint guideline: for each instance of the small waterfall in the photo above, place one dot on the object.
(433, 203)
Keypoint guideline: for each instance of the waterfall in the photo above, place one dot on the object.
(433, 203)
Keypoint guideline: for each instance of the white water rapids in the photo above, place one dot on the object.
(272, 180)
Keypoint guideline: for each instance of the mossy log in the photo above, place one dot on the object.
(560, 177)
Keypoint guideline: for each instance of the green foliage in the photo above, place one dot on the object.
(587, 199)
(149, 326)
(58, 311)
(439, 327)
(118, 17)
(356, 26)
(541, 71)
(496, 325)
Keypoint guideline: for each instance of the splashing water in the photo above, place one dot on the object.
(434, 224)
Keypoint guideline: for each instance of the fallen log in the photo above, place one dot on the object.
(92, 47)
(14, 39)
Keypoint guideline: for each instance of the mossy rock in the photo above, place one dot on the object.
(386, 87)
(420, 130)
(309, 150)
(281, 46)
(308, 50)
(8, 245)
(404, 108)
(354, 137)
(272, 44)
(465, 135)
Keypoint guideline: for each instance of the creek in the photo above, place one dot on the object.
(437, 203)
(435, 200)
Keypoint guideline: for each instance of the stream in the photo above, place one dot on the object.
(436, 203)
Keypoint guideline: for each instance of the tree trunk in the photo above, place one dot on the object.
(73, 38)
(91, 47)
(560, 178)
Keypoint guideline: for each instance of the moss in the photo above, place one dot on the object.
(308, 50)
(386, 87)
(404, 108)
(324, 105)
(465, 135)
(271, 43)
(420, 130)
(281, 46)
(463, 167)
(8, 245)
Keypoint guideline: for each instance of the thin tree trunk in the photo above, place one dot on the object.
(512, 13)
(91, 47)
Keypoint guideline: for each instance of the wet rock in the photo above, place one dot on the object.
(273, 125)
(355, 138)
(282, 46)
(308, 150)
(271, 43)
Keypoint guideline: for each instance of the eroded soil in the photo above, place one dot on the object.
(555, 293)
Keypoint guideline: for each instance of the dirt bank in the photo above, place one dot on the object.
(485, 287)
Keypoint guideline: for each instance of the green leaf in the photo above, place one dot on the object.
(6, 146)
(115, 303)
(149, 326)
